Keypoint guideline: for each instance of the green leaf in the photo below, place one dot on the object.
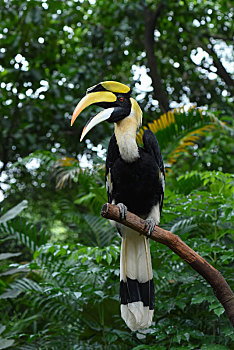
(4, 256)
(214, 347)
(198, 299)
(219, 311)
(108, 258)
(99, 293)
(61, 252)
(11, 294)
(85, 198)
(6, 343)
(2, 328)
(111, 338)
(77, 294)
(13, 212)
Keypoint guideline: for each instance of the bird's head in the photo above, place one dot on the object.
(115, 98)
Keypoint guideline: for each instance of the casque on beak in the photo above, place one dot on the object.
(104, 92)
(89, 99)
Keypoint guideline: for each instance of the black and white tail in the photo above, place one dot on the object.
(136, 280)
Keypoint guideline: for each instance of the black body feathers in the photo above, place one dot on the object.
(138, 185)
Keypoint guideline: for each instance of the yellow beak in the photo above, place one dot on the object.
(91, 98)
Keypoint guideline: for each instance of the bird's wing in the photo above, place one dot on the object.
(112, 155)
(151, 146)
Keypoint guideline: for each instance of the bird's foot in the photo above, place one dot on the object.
(123, 211)
(149, 225)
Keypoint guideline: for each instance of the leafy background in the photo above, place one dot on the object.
(59, 260)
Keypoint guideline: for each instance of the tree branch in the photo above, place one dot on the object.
(221, 71)
(220, 287)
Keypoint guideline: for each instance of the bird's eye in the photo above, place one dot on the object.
(121, 99)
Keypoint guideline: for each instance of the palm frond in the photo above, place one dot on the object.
(13, 212)
(184, 225)
(24, 232)
(47, 157)
(65, 169)
(70, 212)
(93, 198)
(221, 182)
(101, 231)
(177, 130)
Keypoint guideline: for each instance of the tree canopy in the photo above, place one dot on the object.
(52, 51)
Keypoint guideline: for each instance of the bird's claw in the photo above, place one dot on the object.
(123, 211)
(149, 225)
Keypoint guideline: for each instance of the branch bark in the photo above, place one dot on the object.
(221, 71)
(220, 287)
(150, 19)
(201, 41)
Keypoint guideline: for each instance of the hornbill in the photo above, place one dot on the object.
(135, 181)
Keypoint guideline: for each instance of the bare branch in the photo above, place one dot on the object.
(220, 287)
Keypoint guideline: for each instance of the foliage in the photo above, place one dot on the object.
(77, 285)
(59, 261)
(76, 282)
(51, 52)
(184, 129)
(189, 61)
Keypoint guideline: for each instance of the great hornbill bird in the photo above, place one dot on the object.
(135, 181)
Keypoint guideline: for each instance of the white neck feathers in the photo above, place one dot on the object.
(125, 133)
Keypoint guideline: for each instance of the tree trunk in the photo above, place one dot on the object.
(150, 19)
